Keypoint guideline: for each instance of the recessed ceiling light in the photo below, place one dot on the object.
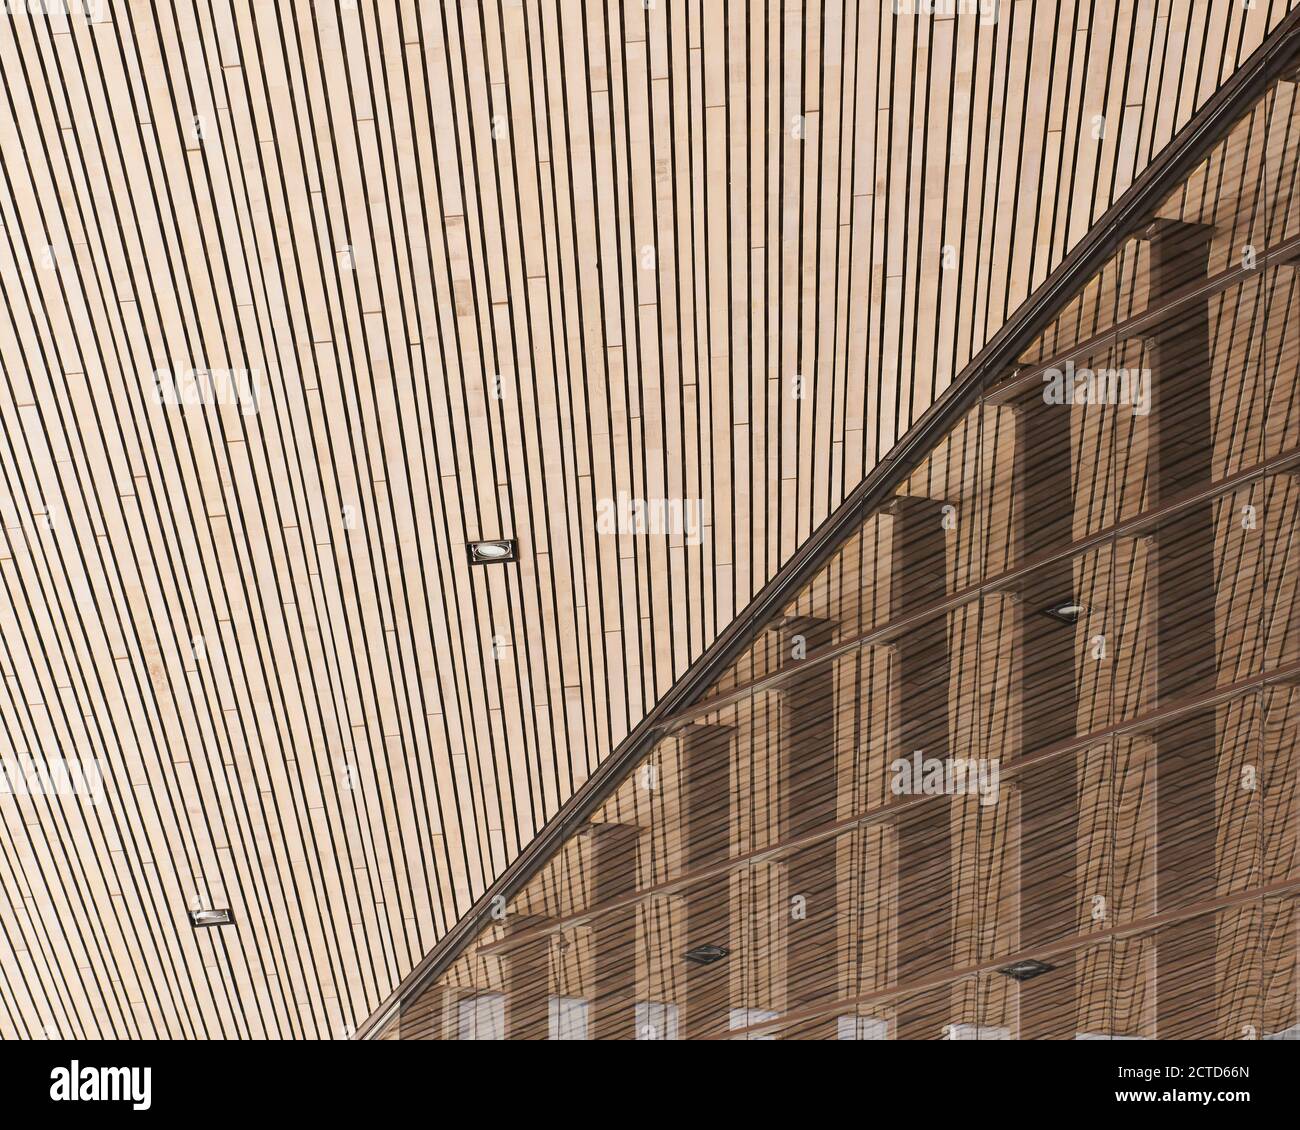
(1025, 970)
(487, 552)
(199, 918)
(706, 955)
(1066, 611)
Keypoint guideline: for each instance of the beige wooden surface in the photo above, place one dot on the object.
(648, 221)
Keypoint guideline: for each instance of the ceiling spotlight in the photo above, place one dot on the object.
(1026, 970)
(488, 552)
(1066, 611)
(706, 955)
(200, 918)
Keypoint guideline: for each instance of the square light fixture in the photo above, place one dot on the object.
(492, 552)
(201, 918)
(1066, 611)
(1026, 970)
(706, 955)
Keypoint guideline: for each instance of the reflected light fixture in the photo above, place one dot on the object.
(201, 918)
(706, 955)
(1026, 970)
(489, 552)
(1066, 611)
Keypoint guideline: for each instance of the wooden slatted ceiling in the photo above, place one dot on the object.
(647, 222)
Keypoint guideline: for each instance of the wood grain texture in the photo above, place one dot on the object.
(478, 267)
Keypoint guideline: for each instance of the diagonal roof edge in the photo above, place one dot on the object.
(1207, 126)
